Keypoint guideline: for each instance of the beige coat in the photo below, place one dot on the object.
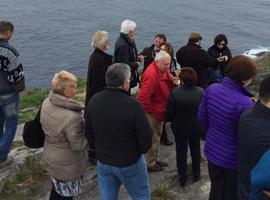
(65, 156)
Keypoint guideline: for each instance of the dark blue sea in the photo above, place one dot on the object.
(53, 35)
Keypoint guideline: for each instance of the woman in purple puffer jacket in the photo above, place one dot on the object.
(219, 113)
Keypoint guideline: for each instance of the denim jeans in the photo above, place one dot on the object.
(134, 178)
(8, 122)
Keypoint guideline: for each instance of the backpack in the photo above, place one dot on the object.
(33, 134)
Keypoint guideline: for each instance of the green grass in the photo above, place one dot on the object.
(27, 183)
(33, 98)
(81, 85)
(17, 144)
(30, 101)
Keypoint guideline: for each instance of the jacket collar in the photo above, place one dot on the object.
(229, 83)
(127, 39)
(259, 107)
(3, 41)
(99, 51)
(62, 101)
(218, 49)
(118, 90)
(193, 44)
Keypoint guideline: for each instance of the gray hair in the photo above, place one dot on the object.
(117, 74)
(127, 26)
(161, 55)
(99, 39)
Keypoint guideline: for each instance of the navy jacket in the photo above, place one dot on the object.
(253, 142)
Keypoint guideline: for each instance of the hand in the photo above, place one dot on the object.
(253, 99)
(141, 58)
(226, 58)
(220, 59)
(176, 80)
(177, 72)
(266, 192)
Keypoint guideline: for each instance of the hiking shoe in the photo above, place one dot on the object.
(6, 162)
(162, 164)
(155, 168)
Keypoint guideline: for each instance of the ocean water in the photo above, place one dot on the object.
(55, 35)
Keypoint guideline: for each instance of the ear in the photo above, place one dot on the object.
(126, 85)
(66, 93)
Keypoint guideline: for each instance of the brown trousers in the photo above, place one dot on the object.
(152, 154)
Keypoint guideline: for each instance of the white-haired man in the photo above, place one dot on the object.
(156, 84)
(125, 50)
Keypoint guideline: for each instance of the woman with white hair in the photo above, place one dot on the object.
(65, 156)
(125, 50)
(98, 63)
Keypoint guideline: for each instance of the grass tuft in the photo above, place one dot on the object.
(163, 191)
(27, 182)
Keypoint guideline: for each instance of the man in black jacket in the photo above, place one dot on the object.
(11, 83)
(149, 53)
(192, 55)
(254, 138)
(122, 134)
(125, 50)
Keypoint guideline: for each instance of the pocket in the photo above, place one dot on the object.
(130, 170)
(104, 170)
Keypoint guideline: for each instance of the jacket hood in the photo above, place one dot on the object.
(62, 101)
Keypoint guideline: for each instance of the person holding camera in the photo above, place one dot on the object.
(222, 54)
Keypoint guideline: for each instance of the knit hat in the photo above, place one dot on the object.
(195, 35)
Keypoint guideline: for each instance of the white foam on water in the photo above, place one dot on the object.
(256, 52)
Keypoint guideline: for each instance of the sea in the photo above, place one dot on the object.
(55, 35)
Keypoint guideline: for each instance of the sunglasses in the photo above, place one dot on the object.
(221, 44)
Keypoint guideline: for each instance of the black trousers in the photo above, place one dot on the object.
(55, 196)
(181, 143)
(223, 182)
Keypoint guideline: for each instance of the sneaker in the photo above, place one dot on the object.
(6, 162)
(155, 168)
(162, 164)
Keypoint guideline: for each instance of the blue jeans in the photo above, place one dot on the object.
(134, 178)
(8, 122)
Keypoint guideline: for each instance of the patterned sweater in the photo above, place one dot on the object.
(11, 69)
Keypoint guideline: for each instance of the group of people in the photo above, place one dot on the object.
(203, 94)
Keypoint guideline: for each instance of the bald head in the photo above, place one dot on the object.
(163, 60)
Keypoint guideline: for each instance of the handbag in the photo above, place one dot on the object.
(33, 134)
